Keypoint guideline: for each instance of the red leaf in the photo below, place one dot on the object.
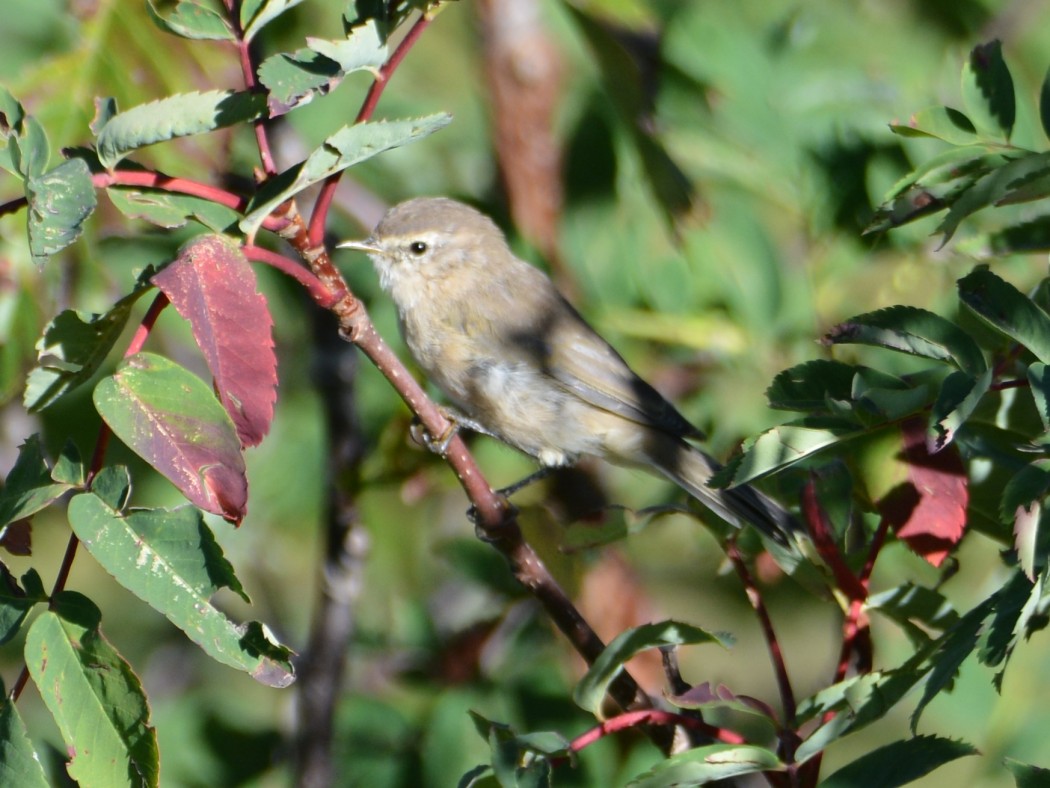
(928, 511)
(212, 285)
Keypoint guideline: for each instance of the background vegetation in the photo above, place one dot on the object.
(719, 163)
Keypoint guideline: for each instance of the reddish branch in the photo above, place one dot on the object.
(319, 217)
(633, 719)
(776, 654)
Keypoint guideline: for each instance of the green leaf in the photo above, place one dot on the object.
(171, 210)
(29, 486)
(255, 14)
(915, 331)
(590, 692)
(171, 418)
(60, 201)
(943, 123)
(93, 695)
(709, 763)
(898, 763)
(912, 605)
(192, 19)
(19, 763)
(959, 396)
(1026, 775)
(181, 115)
(15, 604)
(348, 146)
(1007, 183)
(1024, 237)
(72, 349)
(810, 385)
(781, 447)
(1005, 308)
(293, 79)
(170, 560)
(988, 90)
(1013, 617)
(1038, 375)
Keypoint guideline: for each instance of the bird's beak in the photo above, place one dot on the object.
(367, 245)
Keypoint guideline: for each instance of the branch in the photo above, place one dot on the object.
(633, 719)
(776, 654)
(319, 217)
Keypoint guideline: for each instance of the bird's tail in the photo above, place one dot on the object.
(691, 469)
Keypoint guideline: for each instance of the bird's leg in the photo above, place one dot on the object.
(535, 476)
(456, 422)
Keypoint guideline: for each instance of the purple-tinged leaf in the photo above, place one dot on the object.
(212, 285)
(171, 419)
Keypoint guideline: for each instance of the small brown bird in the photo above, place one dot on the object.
(496, 336)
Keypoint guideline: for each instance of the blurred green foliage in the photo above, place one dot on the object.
(778, 116)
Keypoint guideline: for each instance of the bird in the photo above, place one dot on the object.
(519, 363)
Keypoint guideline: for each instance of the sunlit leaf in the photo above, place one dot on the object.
(779, 448)
(95, 698)
(181, 115)
(255, 14)
(988, 90)
(590, 692)
(60, 201)
(348, 146)
(15, 603)
(170, 559)
(915, 331)
(212, 285)
(898, 763)
(19, 763)
(959, 396)
(708, 763)
(193, 19)
(72, 349)
(171, 210)
(1026, 775)
(28, 487)
(1007, 309)
(171, 419)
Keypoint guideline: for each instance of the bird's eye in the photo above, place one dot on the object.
(417, 248)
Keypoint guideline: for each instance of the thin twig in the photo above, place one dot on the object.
(776, 654)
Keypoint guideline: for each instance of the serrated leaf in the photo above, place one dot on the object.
(959, 396)
(779, 448)
(171, 419)
(171, 210)
(170, 560)
(709, 763)
(19, 763)
(915, 331)
(898, 763)
(943, 123)
(192, 19)
(911, 605)
(294, 78)
(1022, 505)
(988, 90)
(60, 201)
(93, 695)
(590, 691)
(1013, 617)
(29, 486)
(1007, 309)
(213, 287)
(1001, 184)
(1038, 375)
(348, 146)
(26, 151)
(951, 651)
(181, 115)
(72, 349)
